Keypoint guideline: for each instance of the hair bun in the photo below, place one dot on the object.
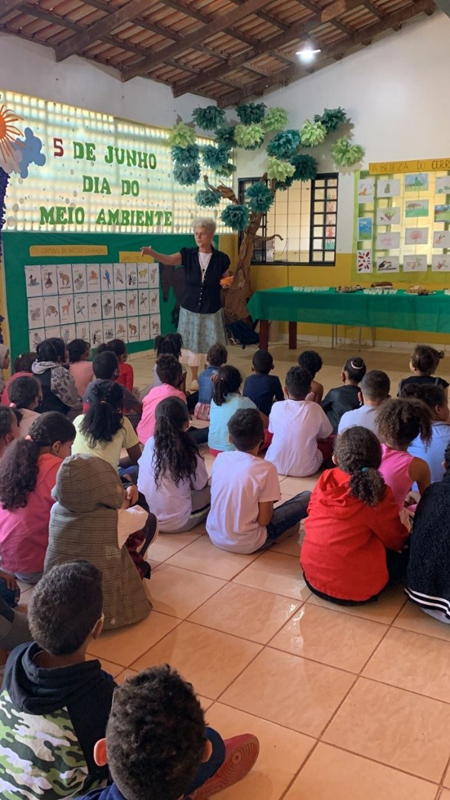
(357, 363)
(440, 353)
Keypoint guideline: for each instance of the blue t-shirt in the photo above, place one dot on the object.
(218, 420)
(205, 384)
(262, 389)
(433, 453)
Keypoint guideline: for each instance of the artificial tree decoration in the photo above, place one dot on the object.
(286, 163)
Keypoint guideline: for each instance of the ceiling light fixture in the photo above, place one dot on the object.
(308, 53)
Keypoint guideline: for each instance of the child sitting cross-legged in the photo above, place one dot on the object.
(353, 530)
(170, 374)
(244, 489)
(80, 368)
(126, 372)
(55, 702)
(217, 356)
(158, 747)
(435, 398)
(345, 398)
(311, 361)
(375, 388)
(58, 386)
(424, 363)
(106, 368)
(300, 429)
(172, 473)
(261, 387)
(226, 400)
(25, 394)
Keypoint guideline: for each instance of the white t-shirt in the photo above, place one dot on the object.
(366, 416)
(219, 417)
(296, 425)
(130, 520)
(171, 504)
(239, 481)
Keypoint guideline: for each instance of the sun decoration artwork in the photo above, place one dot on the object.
(8, 133)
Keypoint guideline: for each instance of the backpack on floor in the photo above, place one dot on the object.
(243, 333)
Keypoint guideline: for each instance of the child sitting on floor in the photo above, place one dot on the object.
(217, 356)
(375, 388)
(106, 368)
(28, 473)
(9, 428)
(244, 489)
(172, 474)
(126, 372)
(424, 363)
(22, 367)
(226, 400)
(25, 394)
(434, 397)
(92, 519)
(190, 760)
(168, 345)
(300, 429)
(428, 580)
(58, 386)
(311, 361)
(400, 422)
(55, 701)
(80, 368)
(345, 398)
(353, 530)
(170, 374)
(261, 387)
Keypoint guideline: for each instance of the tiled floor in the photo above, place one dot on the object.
(348, 704)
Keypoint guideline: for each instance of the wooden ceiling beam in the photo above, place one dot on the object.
(8, 6)
(366, 35)
(295, 31)
(220, 23)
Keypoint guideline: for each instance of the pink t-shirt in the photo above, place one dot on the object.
(146, 427)
(24, 531)
(82, 373)
(5, 396)
(394, 468)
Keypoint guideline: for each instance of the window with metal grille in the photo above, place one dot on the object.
(302, 222)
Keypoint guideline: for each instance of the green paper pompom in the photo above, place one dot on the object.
(284, 144)
(235, 217)
(275, 120)
(207, 198)
(251, 112)
(312, 133)
(226, 170)
(305, 167)
(279, 170)
(346, 154)
(249, 136)
(259, 197)
(181, 135)
(209, 118)
(225, 136)
(185, 156)
(187, 176)
(215, 157)
(283, 185)
(332, 118)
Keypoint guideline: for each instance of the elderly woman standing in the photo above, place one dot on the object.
(201, 322)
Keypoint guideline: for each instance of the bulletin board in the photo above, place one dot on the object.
(402, 223)
(91, 286)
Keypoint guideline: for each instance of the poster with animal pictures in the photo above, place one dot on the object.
(95, 307)
(81, 307)
(121, 329)
(440, 263)
(155, 326)
(364, 261)
(132, 302)
(366, 188)
(388, 216)
(107, 305)
(109, 330)
(83, 331)
(36, 337)
(387, 187)
(106, 277)
(441, 239)
(142, 272)
(79, 278)
(133, 329)
(119, 277)
(415, 264)
(144, 328)
(154, 301)
(53, 333)
(33, 281)
(35, 312)
(143, 304)
(153, 276)
(93, 277)
(66, 310)
(131, 276)
(65, 285)
(120, 304)
(388, 264)
(49, 279)
(51, 310)
(416, 208)
(96, 333)
(68, 332)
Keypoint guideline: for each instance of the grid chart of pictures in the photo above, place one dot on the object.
(403, 224)
(94, 302)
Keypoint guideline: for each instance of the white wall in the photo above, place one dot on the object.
(395, 92)
(31, 69)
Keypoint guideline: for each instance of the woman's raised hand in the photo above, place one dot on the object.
(147, 251)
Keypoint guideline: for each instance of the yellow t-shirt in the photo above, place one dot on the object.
(109, 451)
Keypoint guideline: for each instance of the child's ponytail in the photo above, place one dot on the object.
(104, 416)
(175, 451)
(358, 452)
(228, 380)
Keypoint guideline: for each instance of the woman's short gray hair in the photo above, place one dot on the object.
(204, 222)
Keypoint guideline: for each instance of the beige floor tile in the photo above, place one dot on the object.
(291, 546)
(179, 592)
(167, 544)
(205, 702)
(276, 572)
(330, 637)
(447, 777)
(208, 659)
(126, 645)
(125, 674)
(293, 486)
(112, 669)
(333, 774)
(412, 618)
(246, 612)
(361, 726)
(202, 556)
(414, 662)
(445, 795)
(384, 610)
(290, 691)
(281, 753)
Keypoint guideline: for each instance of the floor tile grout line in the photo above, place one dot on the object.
(237, 635)
(447, 767)
(404, 689)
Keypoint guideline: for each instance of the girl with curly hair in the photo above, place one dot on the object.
(399, 423)
(58, 386)
(353, 529)
(172, 474)
(25, 394)
(28, 471)
(423, 364)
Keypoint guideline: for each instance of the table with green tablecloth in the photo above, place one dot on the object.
(399, 310)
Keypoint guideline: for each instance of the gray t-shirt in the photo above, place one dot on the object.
(366, 416)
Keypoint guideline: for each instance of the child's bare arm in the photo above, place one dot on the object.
(265, 513)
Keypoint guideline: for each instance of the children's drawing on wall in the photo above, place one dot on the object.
(67, 333)
(441, 263)
(79, 277)
(121, 330)
(51, 311)
(155, 326)
(143, 270)
(388, 216)
(81, 307)
(143, 301)
(415, 264)
(36, 337)
(133, 329)
(107, 304)
(65, 285)
(131, 276)
(389, 264)
(35, 312)
(416, 236)
(144, 328)
(106, 276)
(388, 187)
(132, 302)
(441, 239)
(109, 331)
(83, 332)
(442, 213)
(416, 182)
(388, 241)
(95, 307)
(93, 277)
(364, 261)
(66, 310)
(120, 304)
(366, 188)
(96, 335)
(443, 185)
(365, 229)
(33, 281)
(49, 280)
(416, 208)
(119, 277)
(153, 276)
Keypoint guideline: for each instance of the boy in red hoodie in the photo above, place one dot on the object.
(354, 536)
